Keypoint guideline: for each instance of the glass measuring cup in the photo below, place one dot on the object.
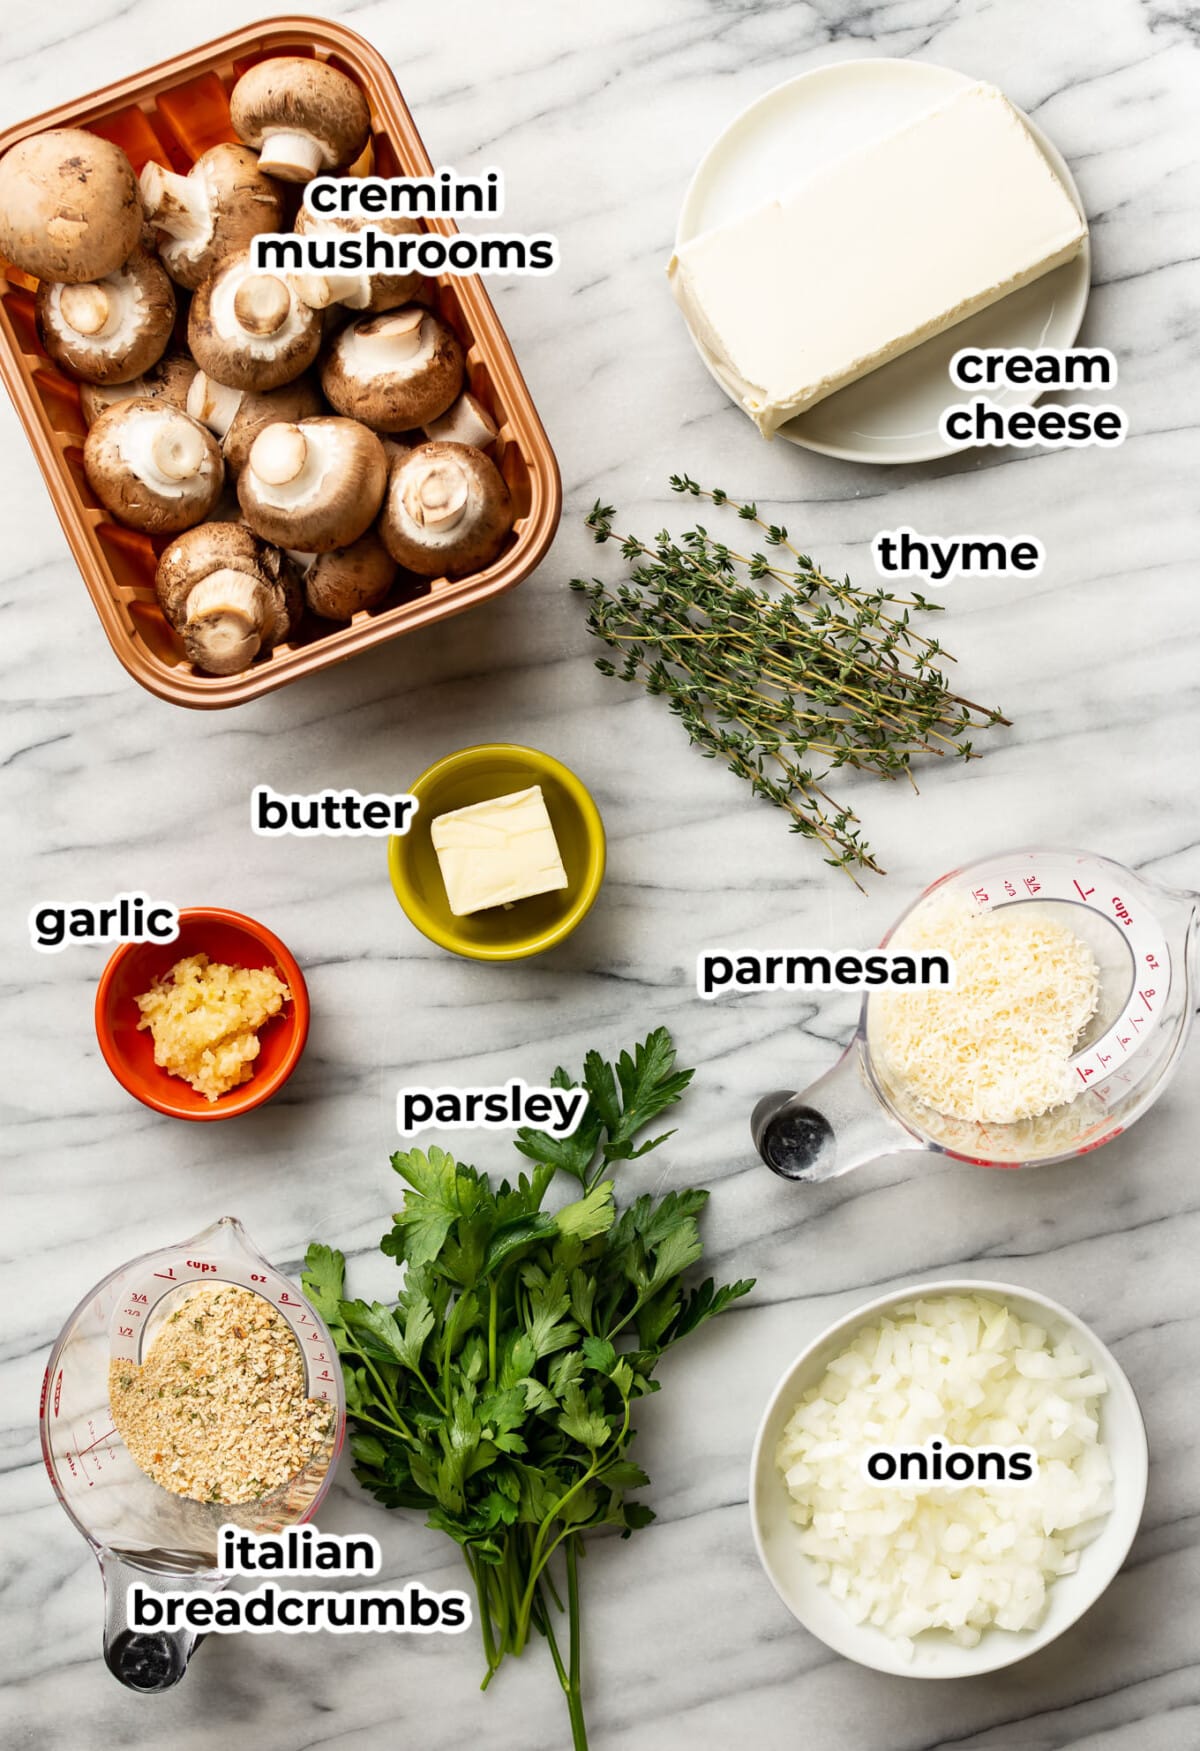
(1144, 938)
(137, 1529)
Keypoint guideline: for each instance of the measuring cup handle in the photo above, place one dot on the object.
(147, 1660)
(837, 1124)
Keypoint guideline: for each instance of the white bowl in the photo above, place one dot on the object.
(793, 1574)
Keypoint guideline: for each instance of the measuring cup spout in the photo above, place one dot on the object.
(837, 1124)
(148, 1660)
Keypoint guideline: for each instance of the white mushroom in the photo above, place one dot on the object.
(313, 485)
(109, 330)
(69, 206)
(169, 380)
(237, 416)
(228, 594)
(466, 422)
(341, 583)
(303, 116)
(447, 511)
(359, 288)
(394, 372)
(222, 203)
(248, 330)
(154, 468)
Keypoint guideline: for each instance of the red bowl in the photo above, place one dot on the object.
(129, 1050)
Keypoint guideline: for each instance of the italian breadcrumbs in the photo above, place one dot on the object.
(217, 1411)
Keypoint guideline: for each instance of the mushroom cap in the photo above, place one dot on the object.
(284, 342)
(235, 201)
(314, 484)
(301, 400)
(169, 379)
(109, 330)
(447, 511)
(394, 372)
(386, 291)
(341, 583)
(198, 553)
(295, 95)
(155, 468)
(69, 206)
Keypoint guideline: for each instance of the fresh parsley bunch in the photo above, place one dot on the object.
(497, 1394)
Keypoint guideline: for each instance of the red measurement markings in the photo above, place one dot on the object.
(1033, 886)
(167, 1276)
(1146, 996)
(1084, 893)
(1083, 1072)
(981, 895)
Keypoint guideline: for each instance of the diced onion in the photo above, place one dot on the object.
(912, 1557)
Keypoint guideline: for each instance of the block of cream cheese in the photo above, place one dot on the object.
(498, 851)
(875, 254)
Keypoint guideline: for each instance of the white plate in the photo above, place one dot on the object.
(792, 1573)
(890, 415)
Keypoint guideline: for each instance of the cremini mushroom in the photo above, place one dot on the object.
(237, 416)
(69, 206)
(153, 467)
(355, 288)
(216, 209)
(466, 422)
(169, 380)
(228, 594)
(394, 372)
(109, 330)
(341, 583)
(248, 330)
(302, 116)
(314, 485)
(447, 511)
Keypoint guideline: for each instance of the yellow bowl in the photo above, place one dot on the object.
(473, 775)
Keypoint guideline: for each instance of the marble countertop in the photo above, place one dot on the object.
(597, 116)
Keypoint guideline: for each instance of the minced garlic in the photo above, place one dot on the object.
(217, 1411)
(205, 1018)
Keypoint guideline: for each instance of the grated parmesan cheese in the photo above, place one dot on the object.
(996, 1048)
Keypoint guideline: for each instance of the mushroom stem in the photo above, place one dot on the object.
(225, 617)
(177, 451)
(213, 404)
(174, 203)
(293, 157)
(391, 339)
(85, 308)
(437, 497)
(279, 454)
(319, 291)
(466, 422)
(261, 304)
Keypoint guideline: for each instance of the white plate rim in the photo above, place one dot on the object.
(1130, 1492)
(684, 233)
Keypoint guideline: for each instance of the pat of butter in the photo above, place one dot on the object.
(875, 254)
(498, 851)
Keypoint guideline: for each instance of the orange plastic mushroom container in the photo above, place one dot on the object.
(173, 113)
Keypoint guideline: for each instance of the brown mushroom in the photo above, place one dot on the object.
(222, 203)
(228, 594)
(341, 583)
(447, 511)
(169, 380)
(394, 372)
(69, 206)
(237, 416)
(302, 116)
(109, 330)
(315, 484)
(248, 330)
(354, 288)
(154, 468)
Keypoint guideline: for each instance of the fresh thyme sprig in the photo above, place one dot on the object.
(785, 687)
